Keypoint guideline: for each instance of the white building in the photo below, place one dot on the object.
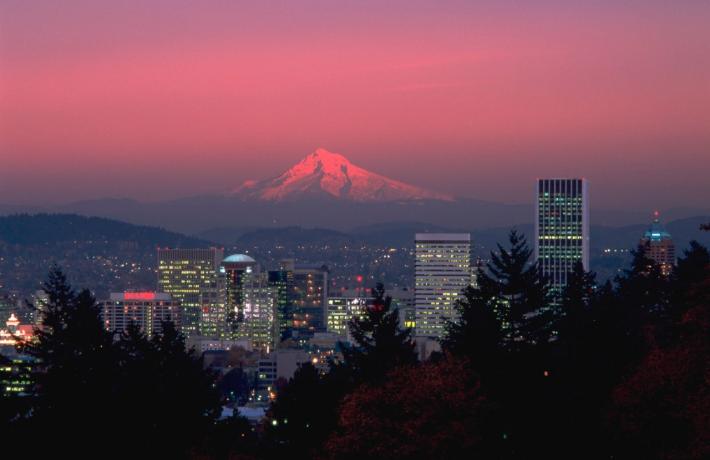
(148, 310)
(442, 271)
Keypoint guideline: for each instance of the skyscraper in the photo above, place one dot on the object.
(561, 228)
(281, 281)
(309, 293)
(442, 271)
(190, 276)
(250, 301)
(659, 245)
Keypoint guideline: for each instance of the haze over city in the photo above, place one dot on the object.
(159, 100)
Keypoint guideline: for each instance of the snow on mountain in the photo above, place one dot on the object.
(324, 173)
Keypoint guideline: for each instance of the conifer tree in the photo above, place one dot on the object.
(518, 291)
(476, 334)
(76, 362)
(380, 344)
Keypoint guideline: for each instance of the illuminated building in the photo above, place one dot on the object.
(259, 308)
(250, 301)
(148, 310)
(190, 276)
(659, 245)
(282, 282)
(442, 270)
(309, 293)
(561, 229)
(341, 310)
(15, 373)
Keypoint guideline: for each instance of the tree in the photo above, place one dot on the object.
(434, 411)
(87, 384)
(75, 377)
(476, 334)
(661, 410)
(305, 411)
(518, 291)
(643, 286)
(380, 344)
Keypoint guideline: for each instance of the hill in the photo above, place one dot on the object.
(98, 253)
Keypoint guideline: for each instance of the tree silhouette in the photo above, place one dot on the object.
(519, 292)
(477, 334)
(380, 344)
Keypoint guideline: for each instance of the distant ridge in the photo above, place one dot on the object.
(330, 175)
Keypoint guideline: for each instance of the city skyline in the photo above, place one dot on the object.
(457, 97)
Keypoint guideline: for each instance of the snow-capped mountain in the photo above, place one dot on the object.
(328, 174)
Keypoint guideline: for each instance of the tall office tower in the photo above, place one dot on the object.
(561, 229)
(250, 302)
(659, 245)
(442, 270)
(309, 294)
(148, 310)
(259, 325)
(239, 271)
(281, 281)
(190, 276)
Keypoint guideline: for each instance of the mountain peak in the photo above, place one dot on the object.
(328, 174)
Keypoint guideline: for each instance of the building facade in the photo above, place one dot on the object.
(190, 276)
(251, 302)
(658, 245)
(148, 310)
(442, 270)
(561, 229)
(308, 296)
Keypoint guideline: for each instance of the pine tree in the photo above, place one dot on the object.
(643, 287)
(477, 333)
(518, 291)
(380, 344)
(77, 366)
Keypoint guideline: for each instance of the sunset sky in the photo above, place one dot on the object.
(162, 99)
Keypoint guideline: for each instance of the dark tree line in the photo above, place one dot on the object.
(613, 370)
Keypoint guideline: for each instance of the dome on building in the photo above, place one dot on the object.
(656, 232)
(239, 258)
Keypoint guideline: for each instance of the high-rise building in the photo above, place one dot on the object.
(281, 281)
(250, 301)
(442, 270)
(190, 276)
(561, 228)
(659, 245)
(238, 271)
(341, 310)
(309, 294)
(147, 310)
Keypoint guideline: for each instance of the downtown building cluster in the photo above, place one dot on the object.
(291, 313)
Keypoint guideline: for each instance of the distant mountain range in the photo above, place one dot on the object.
(326, 190)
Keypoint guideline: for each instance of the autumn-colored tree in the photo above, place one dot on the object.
(662, 410)
(433, 411)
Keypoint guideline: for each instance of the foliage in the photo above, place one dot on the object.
(434, 411)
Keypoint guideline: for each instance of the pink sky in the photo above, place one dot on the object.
(161, 99)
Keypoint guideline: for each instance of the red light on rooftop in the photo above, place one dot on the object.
(359, 278)
(145, 295)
